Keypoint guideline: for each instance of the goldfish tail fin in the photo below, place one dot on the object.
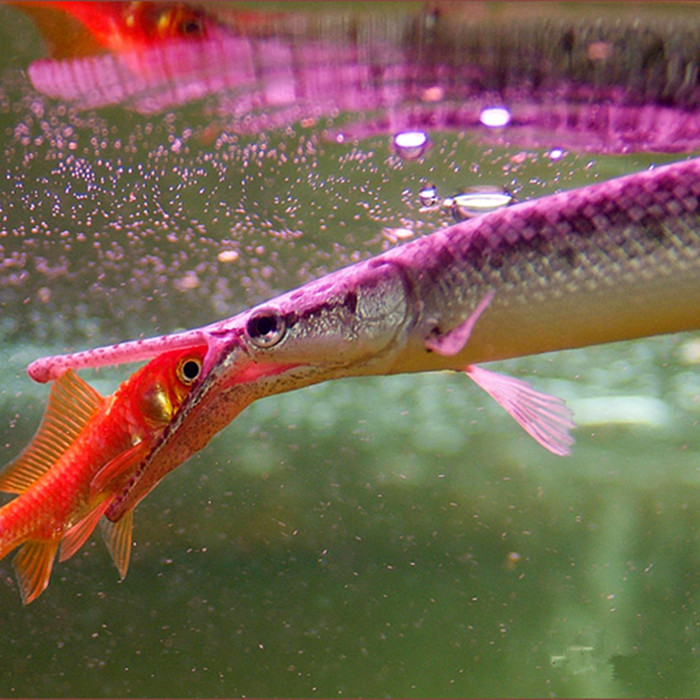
(72, 404)
(76, 536)
(33, 565)
(118, 538)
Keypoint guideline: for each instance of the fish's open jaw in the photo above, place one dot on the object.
(219, 394)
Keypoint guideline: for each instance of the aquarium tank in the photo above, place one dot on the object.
(169, 165)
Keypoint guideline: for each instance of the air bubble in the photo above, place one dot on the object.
(428, 196)
(411, 145)
(478, 201)
(495, 117)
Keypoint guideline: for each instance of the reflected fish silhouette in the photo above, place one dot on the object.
(83, 455)
(73, 29)
(613, 261)
(590, 85)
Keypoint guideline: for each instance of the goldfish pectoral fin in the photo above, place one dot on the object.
(544, 417)
(33, 564)
(118, 538)
(452, 342)
(76, 536)
(116, 466)
(72, 404)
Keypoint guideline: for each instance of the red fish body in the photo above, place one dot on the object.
(83, 453)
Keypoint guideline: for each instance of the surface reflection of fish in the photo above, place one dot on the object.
(74, 29)
(592, 84)
(84, 453)
(613, 261)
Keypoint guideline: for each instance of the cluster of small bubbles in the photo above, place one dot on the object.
(101, 200)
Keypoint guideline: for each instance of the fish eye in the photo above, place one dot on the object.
(191, 26)
(188, 370)
(266, 329)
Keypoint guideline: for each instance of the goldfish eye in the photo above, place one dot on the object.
(188, 370)
(191, 26)
(266, 329)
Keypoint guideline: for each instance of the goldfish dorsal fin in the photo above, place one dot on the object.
(33, 565)
(118, 538)
(75, 536)
(72, 404)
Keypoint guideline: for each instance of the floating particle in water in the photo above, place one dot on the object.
(495, 117)
(477, 201)
(436, 93)
(576, 659)
(226, 256)
(394, 235)
(599, 50)
(556, 154)
(411, 145)
(188, 281)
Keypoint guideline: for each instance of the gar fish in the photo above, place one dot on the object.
(83, 455)
(612, 261)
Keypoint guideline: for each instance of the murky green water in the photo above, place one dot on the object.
(387, 537)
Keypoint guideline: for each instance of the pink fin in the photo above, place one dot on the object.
(33, 565)
(75, 537)
(118, 538)
(452, 342)
(546, 418)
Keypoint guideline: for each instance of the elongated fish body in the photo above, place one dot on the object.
(615, 261)
(612, 261)
(82, 454)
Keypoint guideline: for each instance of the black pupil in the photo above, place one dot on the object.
(191, 26)
(263, 326)
(190, 370)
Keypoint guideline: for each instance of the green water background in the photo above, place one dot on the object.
(383, 537)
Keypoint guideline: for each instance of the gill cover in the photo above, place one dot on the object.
(354, 314)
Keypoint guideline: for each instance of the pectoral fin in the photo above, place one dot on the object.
(453, 342)
(117, 466)
(546, 418)
(33, 564)
(75, 537)
(118, 538)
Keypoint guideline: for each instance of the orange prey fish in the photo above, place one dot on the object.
(83, 454)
